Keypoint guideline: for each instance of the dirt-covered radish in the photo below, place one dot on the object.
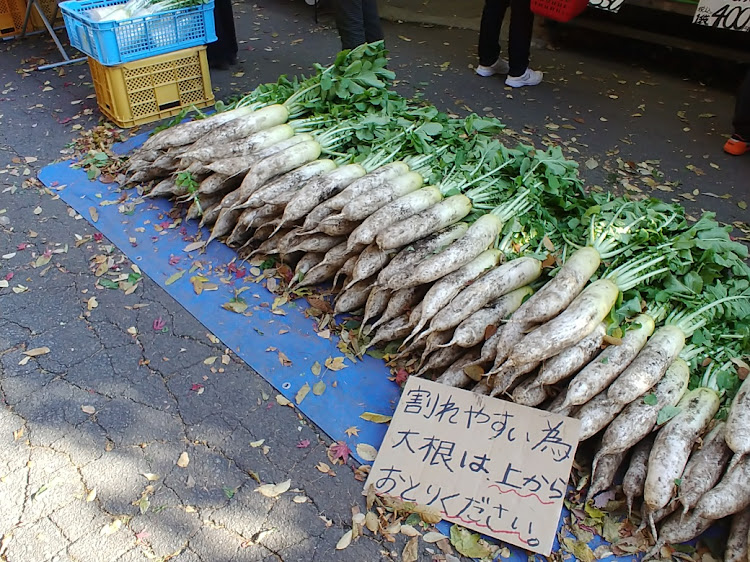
(444, 290)
(165, 187)
(401, 208)
(640, 417)
(277, 191)
(354, 297)
(480, 235)
(414, 253)
(261, 172)
(313, 243)
(368, 183)
(578, 320)
(570, 360)
(190, 131)
(738, 421)
(327, 269)
(346, 269)
(596, 414)
(528, 393)
(240, 147)
(731, 495)
(472, 330)
(315, 216)
(737, 548)
(336, 226)
(649, 365)
(704, 467)
(604, 474)
(673, 444)
(598, 374)
(306, 263)
(635, 477)
(377, 302)
(401, 302)
(371, 261)
(366, 204)
(561, 290)
(497, 282)
(392, 330)
(437, 217)
(455, 375)
(441, 359)
(246, 221)
(244, 126)
(504, 378)
(218, 183)
(320, 189)
(434, 341)
(558, 406)
(677, 529)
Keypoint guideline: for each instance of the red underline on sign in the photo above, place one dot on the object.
(541, 501)
(478, 524)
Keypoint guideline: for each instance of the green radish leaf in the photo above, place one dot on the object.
(678, 482)
(666, 414)
(650, 399)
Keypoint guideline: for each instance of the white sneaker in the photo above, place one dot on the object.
(500, 66)
(528, 78)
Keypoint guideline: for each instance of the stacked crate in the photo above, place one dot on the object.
(145, 68)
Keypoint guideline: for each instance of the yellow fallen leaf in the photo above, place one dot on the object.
(174, 277)
(112, 528)
(299, 499)
(301, 393)
(323, 467)
(258, 443)
(375, 418)
(282, 401)
(319, 388)
(91, 496)
(315, 369)
(335, 363)
(94, 214)
(150, 476)
(88, 410)
(92, 303)
(344, 541)
(194, 246)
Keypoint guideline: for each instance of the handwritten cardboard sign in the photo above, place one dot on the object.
(608, 5)
(733, 15)
(486, 464)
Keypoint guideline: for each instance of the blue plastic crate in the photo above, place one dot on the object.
(116, 42)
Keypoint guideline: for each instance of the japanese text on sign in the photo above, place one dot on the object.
(733, 15)
(608, 5)
(489, 465)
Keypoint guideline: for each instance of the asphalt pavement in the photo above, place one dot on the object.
(98, 423)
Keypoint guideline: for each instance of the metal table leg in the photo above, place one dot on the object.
(51, 31)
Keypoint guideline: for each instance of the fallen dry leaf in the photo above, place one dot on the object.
(299, 499)
(409, 531)
(88, 410)
(367, 452)
(433, 537)
(282, 401)
(411, 551)
(94, 214)
(37, 351)
(352, 431)
(335, 363)
(371, 522)
(274, 490)
(301, 393)
(91, 496)
(184, 460)
(319, 388)
(344, 541)
(284, 360)
(375, 418)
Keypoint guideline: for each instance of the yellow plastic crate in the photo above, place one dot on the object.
(150, 89)
(50, 9)
(12, 13)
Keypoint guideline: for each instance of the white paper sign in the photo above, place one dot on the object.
(733, 15)
(493, 466)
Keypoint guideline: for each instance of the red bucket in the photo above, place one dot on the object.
(558, 10)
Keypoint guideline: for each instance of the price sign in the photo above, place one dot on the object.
(733, 15)
(489, 465)
(608, 5)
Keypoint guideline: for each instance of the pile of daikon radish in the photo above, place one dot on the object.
(495, 272)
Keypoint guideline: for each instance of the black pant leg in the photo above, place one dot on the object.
(350, 22)
(741, 121)
(519, 41)
(373, 29)
(225, 48)
(489, 30)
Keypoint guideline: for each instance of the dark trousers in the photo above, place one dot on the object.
(224, 49)
(358, 22)
(519, 42)
(741, 121)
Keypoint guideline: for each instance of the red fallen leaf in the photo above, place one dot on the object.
(159, 324)
(47, 253)
(98, 236)
(196, 387)
(286, 272)
(142, 535)
(9, 276)
(240, 273)
(401, 376)
(65, 121)
(22, 246)
(339, 452)
(174, 260)
(303, 444)
(183, 230)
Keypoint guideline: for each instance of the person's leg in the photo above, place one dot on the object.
(349, 21)
(489, 31)
(223, 51)
(741, 121)
(519, 40)
(373, 29)
(739, 143)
